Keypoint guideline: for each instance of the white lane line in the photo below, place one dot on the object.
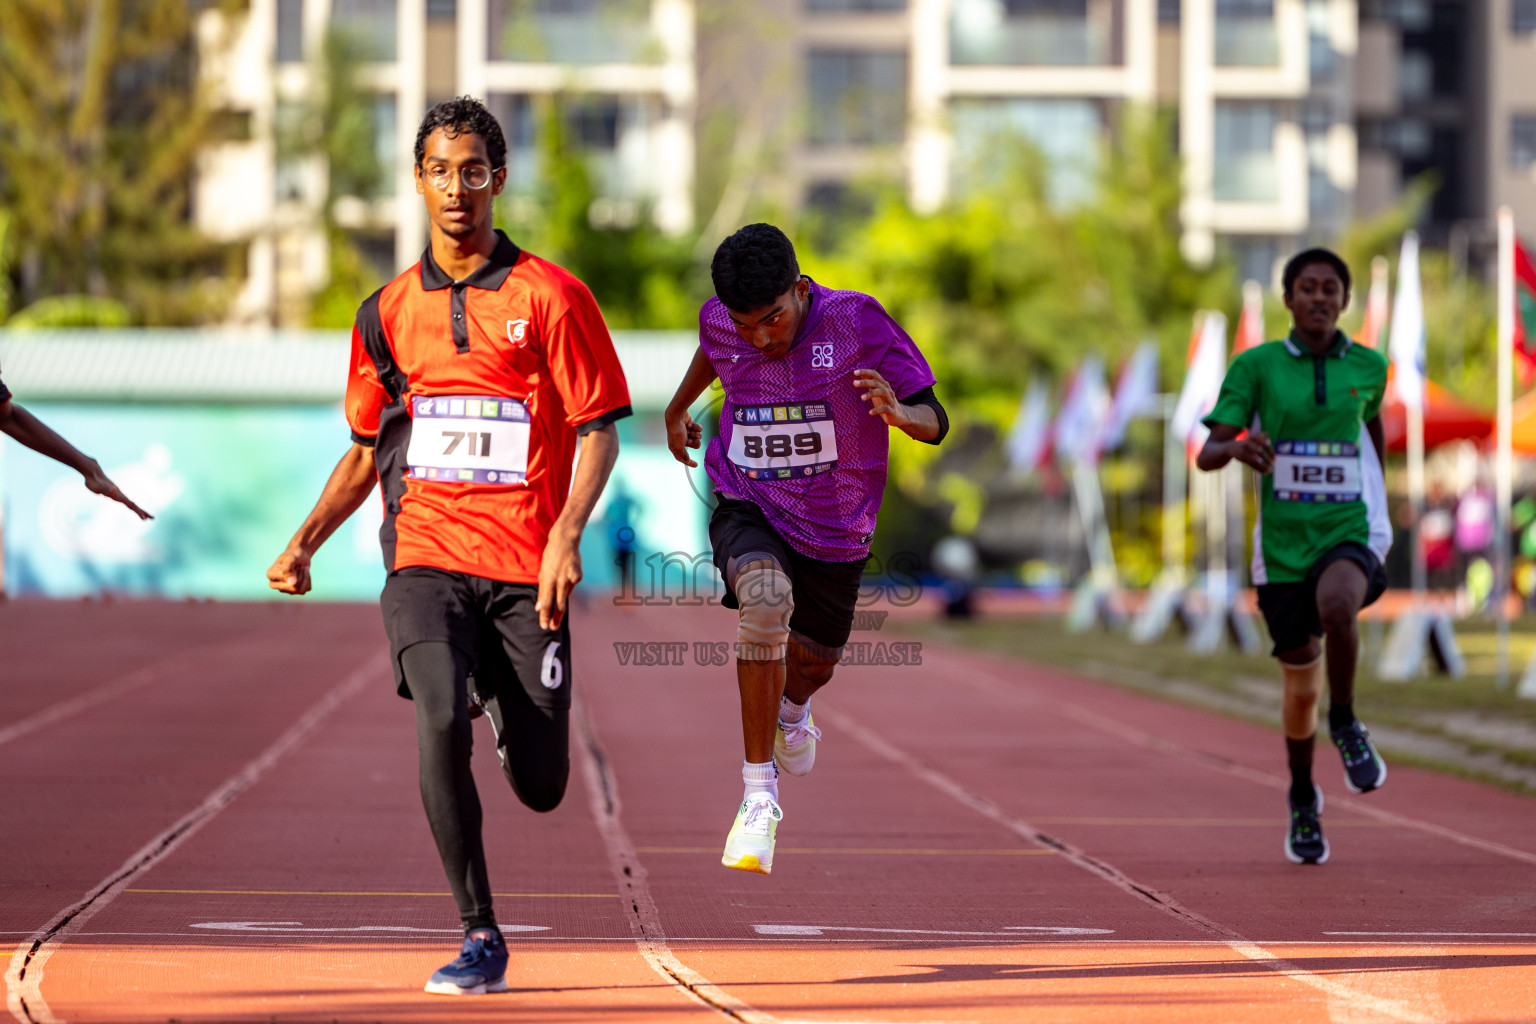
(1469, 935)
(1025, 941)
(106, 691)
(1162, 901)
(1016, 931)
(24, 997)
(299, 928)
(640, 908)
(980, 676)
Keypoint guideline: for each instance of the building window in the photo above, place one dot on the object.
(371, 23)
(444, 9)
(385, 141)
(615, 135)
(290, 31)
(821, 6)
(1246, 35)
(570, 31)
(1244, 155)
(857, 97)
(1068, 33)
(1522, 143)
(1522, 16)
(1255, 255)
(288, 126)
(1169, 11)
(1065, 132)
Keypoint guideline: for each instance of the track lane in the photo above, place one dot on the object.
(1074, 774)
(828, 937)
(88, 791)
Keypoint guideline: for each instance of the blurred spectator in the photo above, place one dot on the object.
(1474, 522)
(618, 521)
(955, 560)
(1437, 530)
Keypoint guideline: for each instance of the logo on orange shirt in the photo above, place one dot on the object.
(516, 330)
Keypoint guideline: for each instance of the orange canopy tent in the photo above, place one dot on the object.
(1523, 435)
(1446, 418)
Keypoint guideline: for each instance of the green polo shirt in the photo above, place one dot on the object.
(1327, 486)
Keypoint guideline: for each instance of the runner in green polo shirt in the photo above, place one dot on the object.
(1311, 405)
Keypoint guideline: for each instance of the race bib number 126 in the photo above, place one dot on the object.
(1317, 471)
(469, 439)
(783, 442)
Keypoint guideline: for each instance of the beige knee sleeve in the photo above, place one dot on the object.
(1303, 690)
(767, 601)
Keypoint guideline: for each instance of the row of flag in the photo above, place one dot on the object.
(1092, 420)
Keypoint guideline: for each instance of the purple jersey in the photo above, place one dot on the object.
(795, 439)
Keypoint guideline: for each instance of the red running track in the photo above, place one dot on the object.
(211, 815)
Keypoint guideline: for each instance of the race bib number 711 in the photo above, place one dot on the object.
(783, 442)
(469, 439)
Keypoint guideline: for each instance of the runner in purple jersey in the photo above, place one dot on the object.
(813, 378)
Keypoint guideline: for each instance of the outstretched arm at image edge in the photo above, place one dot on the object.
(349, 485)
(26, 428)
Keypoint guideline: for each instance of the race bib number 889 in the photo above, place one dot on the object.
(470, 439)
(783, 442)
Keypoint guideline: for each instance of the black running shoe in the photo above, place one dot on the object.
(1304, 842)
(1364, 770)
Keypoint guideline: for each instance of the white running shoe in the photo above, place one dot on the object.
(794, 746)
(749, 846)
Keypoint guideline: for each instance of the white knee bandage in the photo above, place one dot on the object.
(762, 630)
(1303, 689)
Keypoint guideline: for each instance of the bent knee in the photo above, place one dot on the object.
(767, 601)
(543, 794)
(1336, 614)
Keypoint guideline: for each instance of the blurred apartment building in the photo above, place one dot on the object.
(1292, 116)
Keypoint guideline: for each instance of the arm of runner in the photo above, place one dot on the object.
(682, 432)
(921, 422)
(1379, 439)
(560, 568)
(351, 482)
(1222, 447)
(37, 435)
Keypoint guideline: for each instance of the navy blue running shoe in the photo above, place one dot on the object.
(1364, 770)
(480, 968)
(1304, 842)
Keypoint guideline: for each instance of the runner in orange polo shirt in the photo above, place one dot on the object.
(473, 375)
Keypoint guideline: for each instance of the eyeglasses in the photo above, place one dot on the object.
(472, 176)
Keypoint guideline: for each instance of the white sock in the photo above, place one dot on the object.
(790, 712)
(760, 778)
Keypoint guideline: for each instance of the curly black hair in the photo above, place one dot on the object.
(753, 267)
(463, 115)
(1304, 259)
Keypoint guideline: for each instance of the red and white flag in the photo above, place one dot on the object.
(1250, 328)
(1030, 437)
(1082, 412)
(1202, 381)
(1376, 306)
(1135, 395)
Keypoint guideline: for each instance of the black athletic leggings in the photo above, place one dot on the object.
(535, 757)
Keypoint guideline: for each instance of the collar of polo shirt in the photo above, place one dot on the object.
(1341, 344)
(492, 273)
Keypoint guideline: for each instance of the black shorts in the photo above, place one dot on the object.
(493, 622)
(825, 593)
(1290, 609)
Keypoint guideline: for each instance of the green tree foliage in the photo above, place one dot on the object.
(641, 277)
(334, 126)
(1003, 283)
(102, 116)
